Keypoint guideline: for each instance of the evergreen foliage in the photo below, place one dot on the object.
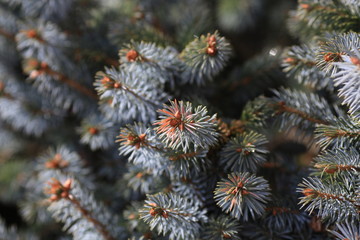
(179, 120)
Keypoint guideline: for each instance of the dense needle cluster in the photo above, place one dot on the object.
(180, 120)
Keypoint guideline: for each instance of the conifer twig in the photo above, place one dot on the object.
(282, 107)
(99, 226)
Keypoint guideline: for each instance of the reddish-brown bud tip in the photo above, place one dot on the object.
(174, 122)
(290, 60)
(67, 183)
(34, 74)
(93, 130)
(211, 51)
(165, 214)
(305, 6)
(105, 80)
(117, 85)
(331, 170)
(44, 65)
(32, 33)
(139, 175)
(132, 55)
(308, 192)
(152, 212)
(355, 61)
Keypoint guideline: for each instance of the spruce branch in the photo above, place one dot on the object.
(332, 201)
(221, 228)
(244, 153)
(205, 57)
(340, 56)
(348, 78)
(299, 63)
(283, 215)
(77, 209)
(196, 186)
(296, 107)
(255, 114)
(37, 68)
(137, 137)
(131, 98)
(313, 18)
(55, 162)
(243, 195)
(144, 181)
(182, 126)
(62, 160)
(338, 134)
(98, 133)
(23, 109)
(147, 151)
(337, 162)
(160, 64)
(143, 148)
(174, 215)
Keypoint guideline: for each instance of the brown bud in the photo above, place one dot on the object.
(332, 57)
(290, 60)
(56, 162)
(355, 61)
(165, 214)
(44, 65)
(105, 80)
(34, 74)
(67, 184)
(31, 33)
(33, 63)
(117, 85)
(139, 175)
(152, 212)
(93, 130)
(305, 6)
(142, 137)
(331, 170)
(212, 40)
(153, 204)
(174, 122)
(177, 115)
(132, 55)
(308, 192)
(131, 137)
(211, 51)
